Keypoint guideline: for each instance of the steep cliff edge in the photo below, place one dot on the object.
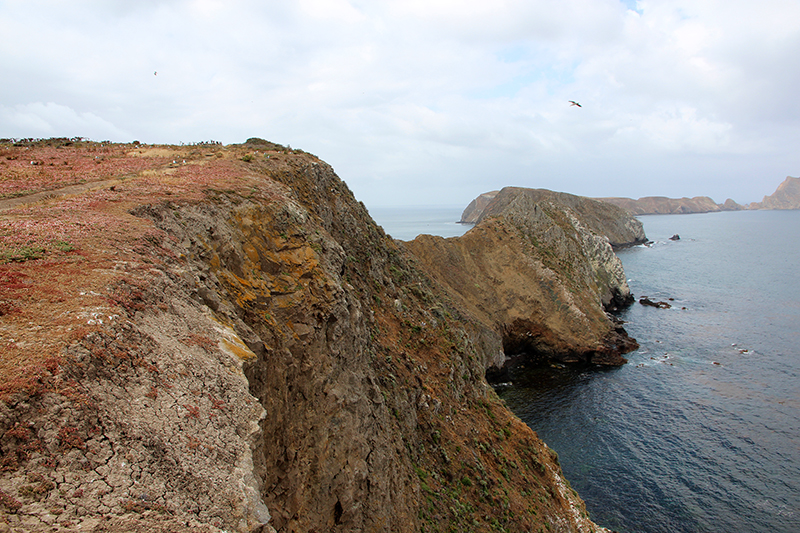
(786, 196)
(539, 269)
(476, 207)
(215, 338)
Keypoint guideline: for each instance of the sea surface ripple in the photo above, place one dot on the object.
(700, 431)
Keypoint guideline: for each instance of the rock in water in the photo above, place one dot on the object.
(644, 300)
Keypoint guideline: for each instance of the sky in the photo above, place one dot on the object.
(430, 102)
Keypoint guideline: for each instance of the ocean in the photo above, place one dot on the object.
(700, 431)
(405, 223)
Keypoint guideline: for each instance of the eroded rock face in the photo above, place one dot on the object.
(151, 417)
(616, 224)
(476, 207)
(274, 360)
(539, 268)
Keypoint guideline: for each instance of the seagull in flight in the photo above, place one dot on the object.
(573, 102)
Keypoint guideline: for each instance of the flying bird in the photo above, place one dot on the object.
(573, 102)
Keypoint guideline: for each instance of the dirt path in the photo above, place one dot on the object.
(10, 203)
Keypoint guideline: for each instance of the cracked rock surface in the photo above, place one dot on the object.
(159, 424)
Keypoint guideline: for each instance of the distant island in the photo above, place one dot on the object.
(786, 196)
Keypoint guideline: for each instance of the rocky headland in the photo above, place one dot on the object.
(539, 269)
(476, 207)
(786, 196)
(219, 338)
(661, 205)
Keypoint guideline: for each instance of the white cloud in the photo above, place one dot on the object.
(406, 96)
(40, 120)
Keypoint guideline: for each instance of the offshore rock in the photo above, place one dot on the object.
(730, 205)
(539, 269)
(644, 300)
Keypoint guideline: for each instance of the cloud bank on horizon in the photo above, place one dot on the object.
(430, 102)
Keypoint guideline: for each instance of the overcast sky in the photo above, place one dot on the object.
(430, 101)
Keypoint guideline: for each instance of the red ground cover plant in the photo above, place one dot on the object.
(26, 168)
(75, 260)
(11, 504)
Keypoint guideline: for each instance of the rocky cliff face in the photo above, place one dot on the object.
(219, 338)
(475, 208)
(615, 224)
(538, 268)
(786, 196)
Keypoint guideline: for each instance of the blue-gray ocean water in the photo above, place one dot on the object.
(405, 223)
(700, 432)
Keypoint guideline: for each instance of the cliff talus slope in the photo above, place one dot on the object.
(219, 338)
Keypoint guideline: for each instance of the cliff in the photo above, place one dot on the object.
(661, 205)
(219, 338)
(538, 268)
(786, 196)
(476, 207)
(612, 222)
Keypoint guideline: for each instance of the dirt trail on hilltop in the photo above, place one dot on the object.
(10, 203)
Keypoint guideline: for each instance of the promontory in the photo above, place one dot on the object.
(219, 338)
